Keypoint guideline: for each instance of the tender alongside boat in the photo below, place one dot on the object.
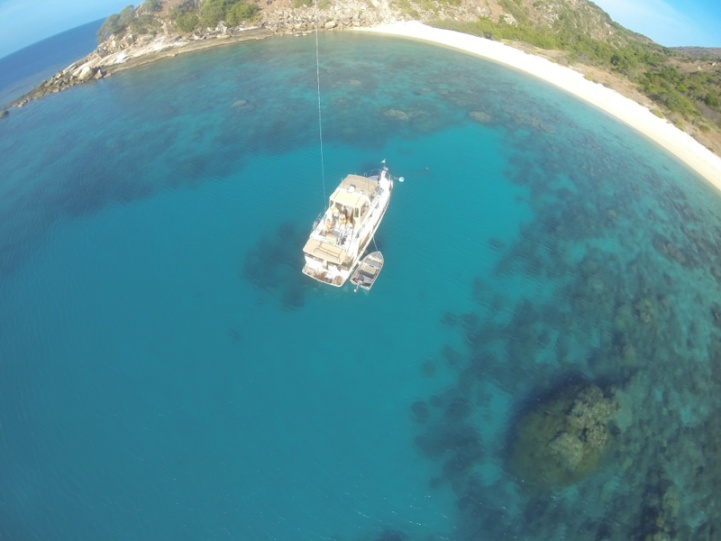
(341, 236)
(365, 274)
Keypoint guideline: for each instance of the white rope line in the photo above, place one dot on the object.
(320, 116)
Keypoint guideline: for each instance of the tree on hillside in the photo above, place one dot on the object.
(185, 16)
(240, 12)
(189, 18)
(153, 5)
(185, 19)
(212, 11)
(231, 12)
(116, 23)
(135, 20)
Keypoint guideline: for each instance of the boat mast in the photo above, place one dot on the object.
(320, 116)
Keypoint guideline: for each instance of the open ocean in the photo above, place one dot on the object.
(540, 358)
(22, 70)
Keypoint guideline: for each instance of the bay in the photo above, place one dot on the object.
(168, 372)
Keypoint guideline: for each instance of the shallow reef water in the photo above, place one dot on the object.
(539, 359)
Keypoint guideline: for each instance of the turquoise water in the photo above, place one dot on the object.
(166, 371)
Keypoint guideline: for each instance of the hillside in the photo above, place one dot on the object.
(682, 84)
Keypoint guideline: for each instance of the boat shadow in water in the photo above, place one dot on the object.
(272, 266)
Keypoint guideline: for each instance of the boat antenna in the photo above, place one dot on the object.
(320, 116)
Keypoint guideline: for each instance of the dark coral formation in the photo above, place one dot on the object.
(563, 438)
(621, 283)
(391, 535)
(274, 266)
(420, 411)
(659, 511)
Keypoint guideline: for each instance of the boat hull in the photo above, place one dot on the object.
(367, 271)
(332, 254)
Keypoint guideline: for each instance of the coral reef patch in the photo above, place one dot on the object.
(563, 438)
(273, 265)
(613, 281)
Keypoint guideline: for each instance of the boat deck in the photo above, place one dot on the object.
(342, 233)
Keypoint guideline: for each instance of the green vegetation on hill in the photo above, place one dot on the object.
(187, 16)
(232, 12)
(131, 20)
(564, 35)
(692, 94)
(153, 5)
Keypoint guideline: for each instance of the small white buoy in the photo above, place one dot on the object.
(401, 179)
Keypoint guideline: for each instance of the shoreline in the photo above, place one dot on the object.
(675, 141)
(94, 66)
(171, 51)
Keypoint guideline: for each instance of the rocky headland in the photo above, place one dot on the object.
(116, 55)
(121, 52)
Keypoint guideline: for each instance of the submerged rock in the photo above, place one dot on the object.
(420, 411)
(563, 439)
(716, 314)
(480, 117)
(391, 535)
(397, 115)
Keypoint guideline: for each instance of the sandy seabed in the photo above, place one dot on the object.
(665, 134)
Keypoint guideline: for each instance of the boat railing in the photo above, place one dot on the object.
(373, 173)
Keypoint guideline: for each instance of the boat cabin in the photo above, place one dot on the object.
(352, 198)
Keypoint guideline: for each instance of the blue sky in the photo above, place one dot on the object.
(24, 22)
(669, 22)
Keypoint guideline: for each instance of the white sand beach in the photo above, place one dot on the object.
(675, 141)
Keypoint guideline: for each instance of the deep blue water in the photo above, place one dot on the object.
(22, 70)
(166, 371)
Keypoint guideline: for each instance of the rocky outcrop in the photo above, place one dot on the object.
(62, 80)
(480, 116)
(340, 15)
